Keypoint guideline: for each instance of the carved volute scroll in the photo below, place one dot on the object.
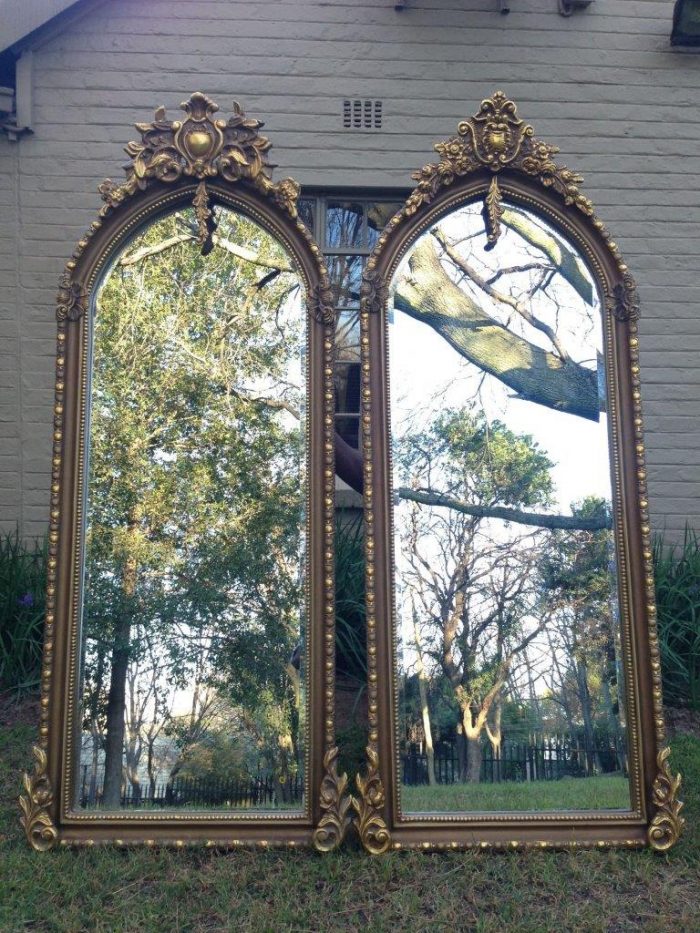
(204, 161)
(495, 161)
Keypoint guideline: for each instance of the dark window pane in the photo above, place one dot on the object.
(346, 278)
(349, 429)
(344, 224)
(307, 212)
(347, 388)
(347, 337)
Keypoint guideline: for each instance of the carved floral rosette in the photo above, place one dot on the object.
(667, 825)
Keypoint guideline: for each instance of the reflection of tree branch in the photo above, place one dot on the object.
(538, 519)
(568, 263)
(428, 295)
(519, 306)
(240, 252)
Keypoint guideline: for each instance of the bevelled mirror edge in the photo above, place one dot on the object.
(495, 158)
(198, 162)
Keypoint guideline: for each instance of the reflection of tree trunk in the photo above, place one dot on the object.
(116, 700)
(114, 741)
(425, 711)
(427, 294)
(592, 757)
(495, 733)
(473, 775)
(462, 754)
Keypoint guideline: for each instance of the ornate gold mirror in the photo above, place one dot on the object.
(514, 689)
(189, 665)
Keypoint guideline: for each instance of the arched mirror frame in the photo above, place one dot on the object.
(495, 157)
(201, 161)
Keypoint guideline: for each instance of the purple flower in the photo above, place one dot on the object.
(26, 600)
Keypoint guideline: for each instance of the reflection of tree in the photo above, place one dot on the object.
(474, 589)
(548, 377)
(194, 491)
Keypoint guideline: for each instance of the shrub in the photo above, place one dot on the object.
(677, 574)
(22, 583)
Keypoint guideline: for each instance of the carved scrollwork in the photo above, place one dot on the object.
(200, 146)
(623, 300)
(335, 804)
(72, 299)
(374, 290)
(35, 803)
(371, 826)
(321, 302)
(494, 139)
(666, 826)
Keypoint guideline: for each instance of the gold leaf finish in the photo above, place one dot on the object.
(200, 146)
(335, 804)
(35, 803)
(667, 825)
(371, 827)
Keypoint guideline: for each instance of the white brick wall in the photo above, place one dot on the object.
(603, 84)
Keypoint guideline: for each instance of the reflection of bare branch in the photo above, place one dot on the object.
(519, 306)
(569, 265)
(132, 259)
(427, 294)
(538, 519)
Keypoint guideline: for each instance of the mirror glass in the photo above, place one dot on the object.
(509, 681)
(192, 682)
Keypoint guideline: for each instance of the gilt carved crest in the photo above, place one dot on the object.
(495, 138)
(202, 147)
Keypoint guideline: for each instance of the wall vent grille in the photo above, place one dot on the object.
(362, 114)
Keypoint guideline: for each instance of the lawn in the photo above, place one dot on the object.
(164, 890)
(584, 793)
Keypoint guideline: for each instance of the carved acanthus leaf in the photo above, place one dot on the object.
(35, 802)
(371, 826)
(200, 146)
(666, 826)
(335, 805)
(492, 212)
(494, 139)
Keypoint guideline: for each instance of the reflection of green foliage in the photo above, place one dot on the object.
(194, 490)
(217, 756)
(480, 461)
(677, 573)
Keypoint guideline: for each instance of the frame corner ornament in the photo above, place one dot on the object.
(667, 824)
(371, 826)
(335, 802)
(200, 147)
(39, 829)
(623, 300)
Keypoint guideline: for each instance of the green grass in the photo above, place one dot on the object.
(589, 793)
(165, 890)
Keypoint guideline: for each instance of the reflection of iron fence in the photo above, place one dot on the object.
(546, 758)
(205, 792)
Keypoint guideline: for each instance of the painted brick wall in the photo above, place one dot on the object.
(603, 84)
